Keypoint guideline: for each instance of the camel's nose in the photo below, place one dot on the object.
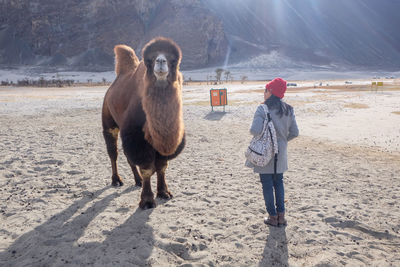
(161, 67)
(161, 61)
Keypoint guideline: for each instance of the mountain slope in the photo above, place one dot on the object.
(82, 34)
(357, 32)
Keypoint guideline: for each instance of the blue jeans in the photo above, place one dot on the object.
(269, 185)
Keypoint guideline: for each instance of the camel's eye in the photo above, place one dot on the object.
(161, 60)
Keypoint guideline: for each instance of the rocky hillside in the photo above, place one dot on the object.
(81, 34)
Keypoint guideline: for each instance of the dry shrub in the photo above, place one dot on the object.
(241, 91)
(355, 105)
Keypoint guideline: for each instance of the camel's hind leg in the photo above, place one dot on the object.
(162, 188)
(110, 133)
(111, 138)
(147, 196)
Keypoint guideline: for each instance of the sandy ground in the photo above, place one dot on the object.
(57, 207)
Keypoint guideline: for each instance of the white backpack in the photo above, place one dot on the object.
(264, 147)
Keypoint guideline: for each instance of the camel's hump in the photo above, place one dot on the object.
(125, 59)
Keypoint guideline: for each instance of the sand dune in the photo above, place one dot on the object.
(57, 207)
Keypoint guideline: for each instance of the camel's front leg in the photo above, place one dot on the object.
(147, 197)
(136, 174)
(162, 188)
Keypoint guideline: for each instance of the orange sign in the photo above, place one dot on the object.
(218, 97)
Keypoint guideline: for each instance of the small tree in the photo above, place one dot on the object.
(218, 73)
(244, 78)
(227, 74)
(41, 81)
(209, 79)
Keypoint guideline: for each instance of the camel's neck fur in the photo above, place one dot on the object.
(162, 104)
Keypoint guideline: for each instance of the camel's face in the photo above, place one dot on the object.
(161, 67)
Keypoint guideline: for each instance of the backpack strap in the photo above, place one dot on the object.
(275, 155)
(268, 116)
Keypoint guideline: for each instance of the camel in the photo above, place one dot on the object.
(144, 106)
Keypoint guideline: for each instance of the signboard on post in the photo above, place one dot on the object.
(218, 97)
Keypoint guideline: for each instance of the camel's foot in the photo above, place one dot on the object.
(147, 204)
(116, 180)
(164, 195)
(138, 182)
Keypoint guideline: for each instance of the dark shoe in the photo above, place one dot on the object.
(271, 220)
(281, 219)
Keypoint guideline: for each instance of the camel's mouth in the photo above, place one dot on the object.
(161, 74)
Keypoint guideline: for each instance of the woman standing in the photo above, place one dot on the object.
(283, 118)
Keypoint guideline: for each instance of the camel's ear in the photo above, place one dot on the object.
(149, 64)
(174, 63)
(173, 69)
(150, 70)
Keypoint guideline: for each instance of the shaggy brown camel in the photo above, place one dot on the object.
(144, 104)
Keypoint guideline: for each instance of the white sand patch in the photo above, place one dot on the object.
(35, 73)
(57, 207)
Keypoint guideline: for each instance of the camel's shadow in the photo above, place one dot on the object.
(215, 115)
(276, 251)
(55, 242)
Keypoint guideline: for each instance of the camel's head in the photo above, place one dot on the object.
(161, 67)
(162, 57)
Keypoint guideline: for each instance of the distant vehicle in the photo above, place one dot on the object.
(348, 82)
(291, 84)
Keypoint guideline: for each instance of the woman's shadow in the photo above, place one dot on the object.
(276, 250)
(56, 242)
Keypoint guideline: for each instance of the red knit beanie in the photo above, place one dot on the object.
(277, 87)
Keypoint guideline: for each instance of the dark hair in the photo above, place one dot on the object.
(274, 102)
